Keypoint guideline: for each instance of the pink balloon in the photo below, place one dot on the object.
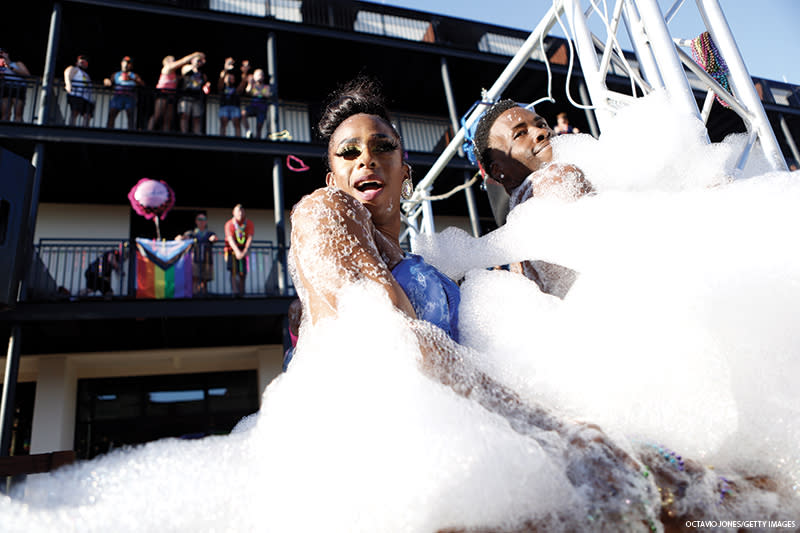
(151, 198)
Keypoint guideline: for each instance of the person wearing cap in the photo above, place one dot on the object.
(124, 82)
(13, 87)
(202, 257)
(79, 91)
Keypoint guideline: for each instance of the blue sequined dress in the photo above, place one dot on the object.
(434, 296)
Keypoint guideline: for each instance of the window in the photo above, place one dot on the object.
(114, 412)
(781, 96)
(422, 134)
(504, 45)
(288, 10)
(392, 26)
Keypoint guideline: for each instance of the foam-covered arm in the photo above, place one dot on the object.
(333, 244)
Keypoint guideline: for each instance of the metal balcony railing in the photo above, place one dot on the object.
(293, 117)
(82, 269)
(19, 95)
(420, 133)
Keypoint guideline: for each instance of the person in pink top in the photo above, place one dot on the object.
(167, 91)
(238, 237)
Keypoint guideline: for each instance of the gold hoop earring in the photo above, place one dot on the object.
(407, 189)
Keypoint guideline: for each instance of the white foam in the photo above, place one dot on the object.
(680, 327)
(680, 331)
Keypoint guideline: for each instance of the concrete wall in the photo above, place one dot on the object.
(59, 221)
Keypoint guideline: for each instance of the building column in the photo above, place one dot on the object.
(46, 93)
(54, 407)
(9, 389)
(270, 365)
(277, 169)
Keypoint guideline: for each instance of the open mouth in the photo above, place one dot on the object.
(369, 185)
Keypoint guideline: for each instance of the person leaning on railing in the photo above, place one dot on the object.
(202, 259)
(79, 91)
(230, 96)
(124, 82)
(13, 87)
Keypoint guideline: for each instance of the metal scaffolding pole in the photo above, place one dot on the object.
(669, 65)
(584, 45)
(740, 80)
(451, 107)
(636, 34)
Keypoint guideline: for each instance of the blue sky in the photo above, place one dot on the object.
(767, 31)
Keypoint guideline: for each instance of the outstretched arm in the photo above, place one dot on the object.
(178, 63)
(333, 244)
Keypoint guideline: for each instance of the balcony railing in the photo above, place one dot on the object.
(420, 133)
(75, 269)
(293, 122)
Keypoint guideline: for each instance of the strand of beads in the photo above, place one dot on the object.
(706, 54)
(670, 456)
(724, 488)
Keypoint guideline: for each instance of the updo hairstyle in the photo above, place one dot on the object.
(360, 95)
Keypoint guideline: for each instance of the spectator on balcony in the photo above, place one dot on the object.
(259, 92)
(230, 96)
(98, 274)
(202, 258)
(13, 87)
(194, 87)
(238, 237)
(563, 126)
(124, 82)
(79, 91)
(167, 91)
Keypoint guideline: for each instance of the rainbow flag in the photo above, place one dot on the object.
(163, 269)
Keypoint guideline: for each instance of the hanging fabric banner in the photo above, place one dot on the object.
(163, 269)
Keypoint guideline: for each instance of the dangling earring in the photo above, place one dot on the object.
(407, 189)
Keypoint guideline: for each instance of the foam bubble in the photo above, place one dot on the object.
(680, 330)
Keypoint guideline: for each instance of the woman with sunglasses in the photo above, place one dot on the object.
(350, 230)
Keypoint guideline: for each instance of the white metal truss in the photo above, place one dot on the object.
(661, 64)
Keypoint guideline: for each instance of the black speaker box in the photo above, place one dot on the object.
(16, 175)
